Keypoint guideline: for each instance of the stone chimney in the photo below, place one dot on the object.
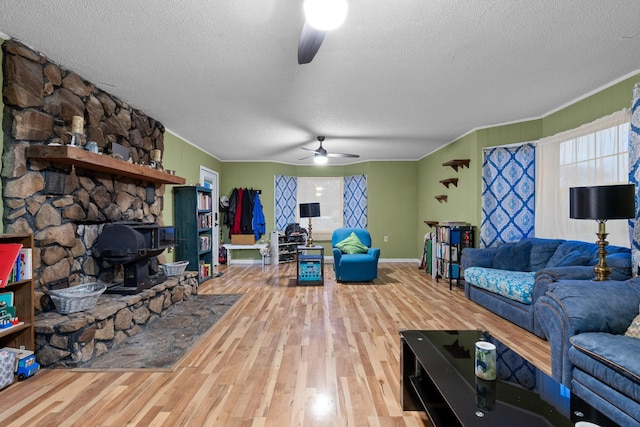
(40, 100)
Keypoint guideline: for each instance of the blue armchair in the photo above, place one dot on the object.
(360, 267)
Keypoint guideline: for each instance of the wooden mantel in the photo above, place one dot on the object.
(91, 161)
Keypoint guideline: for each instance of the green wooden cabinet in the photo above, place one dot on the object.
(193, 219)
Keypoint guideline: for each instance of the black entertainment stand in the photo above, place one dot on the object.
(437, 376)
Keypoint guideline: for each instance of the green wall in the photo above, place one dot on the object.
(186, 160)
(391, 194)
(464, 202)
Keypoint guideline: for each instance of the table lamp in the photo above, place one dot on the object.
(309, 210)
(602, 203)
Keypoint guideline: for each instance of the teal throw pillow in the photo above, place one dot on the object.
(352, 245)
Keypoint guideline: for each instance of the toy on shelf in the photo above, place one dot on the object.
(25, 362)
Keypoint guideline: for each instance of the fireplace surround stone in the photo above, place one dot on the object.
(40, 100)
(69, 340)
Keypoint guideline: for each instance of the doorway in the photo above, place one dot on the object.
(209, 179)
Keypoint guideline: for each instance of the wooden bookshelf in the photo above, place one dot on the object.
(23, 333)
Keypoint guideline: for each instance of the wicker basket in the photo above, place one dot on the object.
(174, 268)
(77, 298)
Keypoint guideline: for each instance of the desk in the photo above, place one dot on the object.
(310, 267)
(229, 247)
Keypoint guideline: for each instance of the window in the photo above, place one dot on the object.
(328, 192)
(593, 154)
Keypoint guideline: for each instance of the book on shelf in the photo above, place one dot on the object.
(8, 256)
(204, 201)
(205, 269)
(205, 220)
(205, 242)
(26, 264)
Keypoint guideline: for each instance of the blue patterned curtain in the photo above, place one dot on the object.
(634, 176)
(355, 201)
(508, 198)
(286, 190)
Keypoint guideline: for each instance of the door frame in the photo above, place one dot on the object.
(211, 179)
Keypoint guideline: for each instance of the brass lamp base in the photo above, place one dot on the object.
(309, 238)
(602, 270)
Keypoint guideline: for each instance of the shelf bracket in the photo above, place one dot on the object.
(441, 198)
(448, 181)
(457, 163)
(431, 224)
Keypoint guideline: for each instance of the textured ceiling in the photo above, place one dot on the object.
(398, 80)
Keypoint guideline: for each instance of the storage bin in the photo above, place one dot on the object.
(243, 239)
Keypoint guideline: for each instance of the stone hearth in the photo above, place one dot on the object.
(69, 340)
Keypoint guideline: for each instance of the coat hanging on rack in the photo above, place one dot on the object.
(245, 215)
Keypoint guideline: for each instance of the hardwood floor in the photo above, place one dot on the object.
(282, 356)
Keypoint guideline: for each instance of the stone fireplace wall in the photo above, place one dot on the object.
(40, 99)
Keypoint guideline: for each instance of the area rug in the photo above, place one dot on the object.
(165, 341)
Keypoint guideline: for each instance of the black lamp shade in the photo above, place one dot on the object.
(602, 202)
(309, 210)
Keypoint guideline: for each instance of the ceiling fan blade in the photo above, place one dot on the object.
(307, 157)
(308, 149)
(342, 155)
(310, 41)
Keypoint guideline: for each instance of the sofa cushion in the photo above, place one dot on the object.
(587, 249)
(571, 258)
(612, 359)
(352, 245)
(513, 257)
(619, 262)
(515, 285)
(541, 251)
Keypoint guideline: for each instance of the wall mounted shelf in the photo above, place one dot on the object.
(82, 158)
(448, 181)
(431, 224)
(458, 163)
(441, 198)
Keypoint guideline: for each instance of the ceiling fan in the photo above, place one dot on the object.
(320, 155)
(321, 16)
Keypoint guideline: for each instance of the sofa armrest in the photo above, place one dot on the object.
(337, 254)
(478, 257)
(374, 252)
(571, 307)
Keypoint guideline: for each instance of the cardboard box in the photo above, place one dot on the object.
(243, 239)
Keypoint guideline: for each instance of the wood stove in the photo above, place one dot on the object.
(136, 247)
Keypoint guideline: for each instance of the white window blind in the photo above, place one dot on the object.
(328, 192)
(593, 154)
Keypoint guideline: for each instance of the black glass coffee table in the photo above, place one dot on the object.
(437, 376)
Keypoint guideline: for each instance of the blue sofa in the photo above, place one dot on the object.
(358, 267)
(510, 278)
(584, 322)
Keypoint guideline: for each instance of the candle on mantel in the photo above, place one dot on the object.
(77, 124)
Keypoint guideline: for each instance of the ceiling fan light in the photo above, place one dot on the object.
(320, 160)
(325, 15)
